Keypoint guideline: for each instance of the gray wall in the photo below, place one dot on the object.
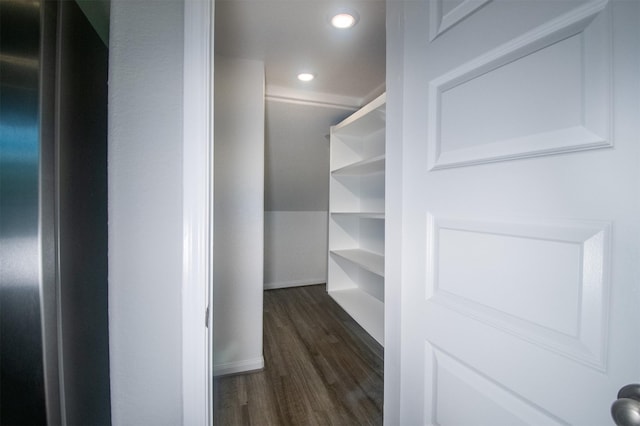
(82, 218)
(97, 12)
(145, 211)
(297, 155)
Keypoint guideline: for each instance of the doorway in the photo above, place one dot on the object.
(272, 167)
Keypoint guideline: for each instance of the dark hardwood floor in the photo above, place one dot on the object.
(321, 368)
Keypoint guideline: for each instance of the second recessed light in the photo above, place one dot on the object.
(306, 76)
(344, 20)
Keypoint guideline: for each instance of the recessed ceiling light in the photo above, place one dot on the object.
(344, 20)
(306, 76)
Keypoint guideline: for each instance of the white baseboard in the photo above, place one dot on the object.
(296, 283)
(238, 366)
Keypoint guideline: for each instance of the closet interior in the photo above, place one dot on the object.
(299, 169)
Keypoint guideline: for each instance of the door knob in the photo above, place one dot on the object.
(626, 409)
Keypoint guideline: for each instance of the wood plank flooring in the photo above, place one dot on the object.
(321, 368)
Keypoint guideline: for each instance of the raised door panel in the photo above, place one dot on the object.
(546, 283)
(544, 92)
(484, 401)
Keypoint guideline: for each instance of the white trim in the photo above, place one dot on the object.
(295, 283)
(271, 98)
(375, 93)
(197, 220)
(326, 99)
(245, 366)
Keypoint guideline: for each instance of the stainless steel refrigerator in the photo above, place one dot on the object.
(54, 351)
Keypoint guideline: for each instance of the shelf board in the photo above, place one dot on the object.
(365, 309)
(364, 167)
(361, 215)
(372, 262)
(367, 120)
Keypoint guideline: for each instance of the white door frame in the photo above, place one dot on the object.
(197, 249)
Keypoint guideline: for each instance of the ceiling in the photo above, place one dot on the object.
(293, 36)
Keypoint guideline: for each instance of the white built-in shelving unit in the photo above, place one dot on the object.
(356, 216)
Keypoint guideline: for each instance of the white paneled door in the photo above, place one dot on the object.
(521, 210)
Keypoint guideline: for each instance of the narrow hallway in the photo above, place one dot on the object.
(321, 367)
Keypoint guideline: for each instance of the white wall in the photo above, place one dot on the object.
(295, 248)
(238, 215)
(145, 211)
